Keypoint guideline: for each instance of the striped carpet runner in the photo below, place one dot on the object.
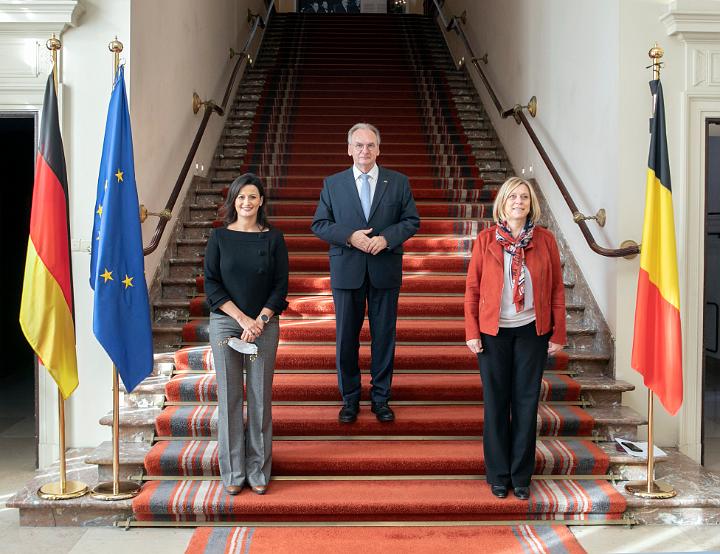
(324, 540)
(289, 125)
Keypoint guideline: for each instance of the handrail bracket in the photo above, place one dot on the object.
(197, 103)
(531, 107)
(600, 217)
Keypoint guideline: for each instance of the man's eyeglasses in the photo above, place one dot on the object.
(359, 147)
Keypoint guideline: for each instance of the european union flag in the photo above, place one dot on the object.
(121, 314)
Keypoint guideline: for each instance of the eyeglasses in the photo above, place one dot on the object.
(359, 146)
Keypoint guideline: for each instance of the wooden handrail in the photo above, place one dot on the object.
(210, 108)
(628, 251)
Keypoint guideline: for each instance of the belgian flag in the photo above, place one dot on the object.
(657, 352)
(46, 309)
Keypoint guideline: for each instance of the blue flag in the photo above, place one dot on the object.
(121, 313)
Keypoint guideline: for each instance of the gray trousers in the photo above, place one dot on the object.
(245, 451)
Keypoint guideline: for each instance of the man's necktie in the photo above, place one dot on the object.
(365, 195)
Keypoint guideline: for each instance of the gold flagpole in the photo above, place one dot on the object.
(650, 488)
(116, 489)
(65, 489)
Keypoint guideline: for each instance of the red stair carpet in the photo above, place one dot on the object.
(418, 540)
(314, 79)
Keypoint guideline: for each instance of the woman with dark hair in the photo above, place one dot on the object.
(514, 319)
(246, 282)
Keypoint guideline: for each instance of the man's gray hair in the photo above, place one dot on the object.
(363, 126)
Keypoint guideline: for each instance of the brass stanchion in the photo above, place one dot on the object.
(116, 489)
(64, 489)
(651, 488)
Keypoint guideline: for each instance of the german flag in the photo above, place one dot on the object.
(657, 352)
(46, 309)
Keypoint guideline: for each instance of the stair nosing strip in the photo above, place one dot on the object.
(323, 438)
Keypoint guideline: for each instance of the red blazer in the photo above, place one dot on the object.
(483, 288)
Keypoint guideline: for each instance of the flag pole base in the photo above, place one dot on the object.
(54, 491)
(106, 490)
(658, 489)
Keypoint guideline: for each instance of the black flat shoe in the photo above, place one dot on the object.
(523, 493)
(382, 412)
(501, 491)
(349, 412)
(259, 489)
(233, 489)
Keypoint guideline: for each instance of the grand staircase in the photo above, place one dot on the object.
(315, 77)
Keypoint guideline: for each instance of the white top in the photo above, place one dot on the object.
(372, 179)
(509, 317)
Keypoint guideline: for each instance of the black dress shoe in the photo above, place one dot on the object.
(233, 489)
(523, 493)
(501, 491)
(382, 412)
(349, 412)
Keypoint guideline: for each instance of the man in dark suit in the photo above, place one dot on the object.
(365, 213)
(343, 7)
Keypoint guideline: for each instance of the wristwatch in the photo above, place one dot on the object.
(264, 318)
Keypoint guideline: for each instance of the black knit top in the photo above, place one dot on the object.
(251, 269)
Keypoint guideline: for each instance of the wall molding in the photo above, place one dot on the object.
(697, 108)
(25, 27)
(693, 20)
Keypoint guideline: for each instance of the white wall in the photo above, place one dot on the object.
(585, 61)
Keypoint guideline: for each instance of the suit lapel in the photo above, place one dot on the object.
(380, 188)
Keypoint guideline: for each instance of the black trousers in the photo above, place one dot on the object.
(511, 368)
(349, 316)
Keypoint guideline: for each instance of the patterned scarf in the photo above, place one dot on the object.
(516, 248)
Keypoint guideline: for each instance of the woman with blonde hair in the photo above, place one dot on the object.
(514, 318)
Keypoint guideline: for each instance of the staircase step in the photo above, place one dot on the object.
(411, 358)
(323, 387)
(311, 420)
(314, 331)
(307, 421)
(308, 307)
(380, 458)
(375, 501)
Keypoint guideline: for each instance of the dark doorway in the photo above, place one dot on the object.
(711, 318)
(18, 423)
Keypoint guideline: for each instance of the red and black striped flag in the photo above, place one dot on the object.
(46, 310)
(657, 352)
